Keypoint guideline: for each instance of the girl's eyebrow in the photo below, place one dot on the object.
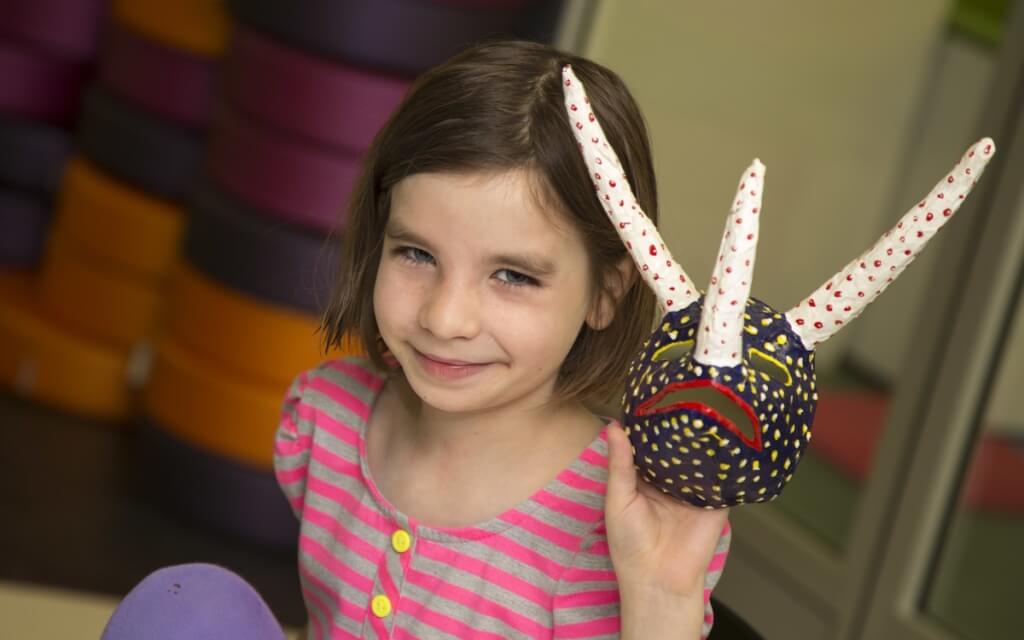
(396, 231)
(530, 263)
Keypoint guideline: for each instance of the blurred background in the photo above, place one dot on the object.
(173, 178)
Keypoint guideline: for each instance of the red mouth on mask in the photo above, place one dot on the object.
(669, 400)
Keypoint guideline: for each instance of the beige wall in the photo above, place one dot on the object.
(824, 93)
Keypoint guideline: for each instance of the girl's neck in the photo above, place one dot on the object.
(455, 470)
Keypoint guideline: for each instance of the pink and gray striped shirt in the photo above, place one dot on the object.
(539, 570)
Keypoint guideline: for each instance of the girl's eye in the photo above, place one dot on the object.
(413, 254)
(515, 279)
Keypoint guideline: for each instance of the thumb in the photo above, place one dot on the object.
(621, 472)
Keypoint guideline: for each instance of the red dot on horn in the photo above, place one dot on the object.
(818, 325)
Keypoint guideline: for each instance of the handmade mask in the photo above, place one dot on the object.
(719, 404)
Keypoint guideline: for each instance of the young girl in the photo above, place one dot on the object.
(455, 484)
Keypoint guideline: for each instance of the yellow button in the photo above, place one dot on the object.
(381, 606)
(401, 541)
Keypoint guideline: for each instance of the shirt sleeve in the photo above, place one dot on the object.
(292, 443)
(713, 575)
(586, 603)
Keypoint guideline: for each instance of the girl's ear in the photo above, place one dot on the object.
(606, 300)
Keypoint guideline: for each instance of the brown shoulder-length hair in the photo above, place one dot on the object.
(497, 107)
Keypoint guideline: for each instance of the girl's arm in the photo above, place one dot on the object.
(661, 550)
(292, 443)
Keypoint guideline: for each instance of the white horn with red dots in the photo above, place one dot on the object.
(844, 296)
(659, 270)
(720, 339)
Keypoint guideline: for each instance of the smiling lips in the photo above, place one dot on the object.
(651, 406)
(448, 369)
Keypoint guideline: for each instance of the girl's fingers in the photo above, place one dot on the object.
(622, 481)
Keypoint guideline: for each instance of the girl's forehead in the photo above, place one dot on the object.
(497, 206)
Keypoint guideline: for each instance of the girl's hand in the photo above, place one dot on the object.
(660, 549)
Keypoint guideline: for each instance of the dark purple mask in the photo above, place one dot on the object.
(719, 404)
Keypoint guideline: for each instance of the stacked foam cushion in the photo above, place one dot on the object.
(91, 310)
(47, 50)
(47, 53)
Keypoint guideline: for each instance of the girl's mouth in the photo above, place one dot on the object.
(446, 369)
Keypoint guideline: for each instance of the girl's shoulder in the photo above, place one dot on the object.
(340, 380)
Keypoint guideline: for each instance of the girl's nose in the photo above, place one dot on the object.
(451, 310)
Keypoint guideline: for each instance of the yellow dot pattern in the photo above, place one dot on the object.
(692, 455)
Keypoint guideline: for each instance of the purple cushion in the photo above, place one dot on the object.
(193, 601)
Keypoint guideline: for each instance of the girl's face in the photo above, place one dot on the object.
(480, 293)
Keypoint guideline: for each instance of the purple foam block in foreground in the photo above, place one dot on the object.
(194, 602)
